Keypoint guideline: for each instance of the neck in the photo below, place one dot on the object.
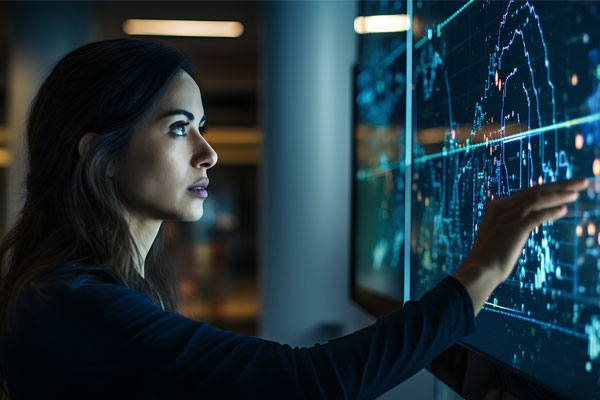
(144, 233)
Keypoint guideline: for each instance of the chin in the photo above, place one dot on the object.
(195, 216)
(187, 213)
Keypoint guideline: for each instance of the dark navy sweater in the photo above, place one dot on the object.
(92, 337)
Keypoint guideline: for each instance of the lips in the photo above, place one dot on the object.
(202, 183)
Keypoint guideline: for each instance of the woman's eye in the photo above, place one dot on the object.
(179, 130)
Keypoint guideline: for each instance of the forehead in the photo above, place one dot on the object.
(182, 92)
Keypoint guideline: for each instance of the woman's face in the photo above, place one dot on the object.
(166, 156)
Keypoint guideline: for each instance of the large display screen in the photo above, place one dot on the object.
(505, 96)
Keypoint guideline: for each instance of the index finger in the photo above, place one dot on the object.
(546, 189)
(575, 184)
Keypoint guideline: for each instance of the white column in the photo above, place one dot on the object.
(310, 48)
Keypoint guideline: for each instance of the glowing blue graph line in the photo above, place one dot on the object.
(576, 334)
(503, 308)
(517, 136)
(421, 42)
(441, 26)
(546, 61)
(367, 173)
(394, 54)
(450, 18)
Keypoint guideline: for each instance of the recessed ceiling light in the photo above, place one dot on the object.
(382, 23)
(163, 27)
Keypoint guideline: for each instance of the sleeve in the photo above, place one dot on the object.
(147, 352)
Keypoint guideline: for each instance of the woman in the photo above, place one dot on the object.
(88, 297)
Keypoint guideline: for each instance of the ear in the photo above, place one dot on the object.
(84, 142)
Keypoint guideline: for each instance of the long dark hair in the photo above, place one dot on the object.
(72, 212)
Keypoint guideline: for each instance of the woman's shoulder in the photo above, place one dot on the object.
(72, 292)
(74, 274)
(60, 313)
(71, 286)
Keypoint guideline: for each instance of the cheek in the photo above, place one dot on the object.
(143, 173)
(159, 179)
(164, 178)
(156, 175)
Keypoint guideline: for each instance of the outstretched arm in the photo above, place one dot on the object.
(102, 340)
(99, 339)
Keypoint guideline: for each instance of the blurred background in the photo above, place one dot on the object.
(271, 255)
(218, 257)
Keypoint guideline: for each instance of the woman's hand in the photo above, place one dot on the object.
(504, 230)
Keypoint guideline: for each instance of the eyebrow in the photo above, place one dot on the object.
(188, 114)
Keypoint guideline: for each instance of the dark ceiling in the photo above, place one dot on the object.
(227, 68)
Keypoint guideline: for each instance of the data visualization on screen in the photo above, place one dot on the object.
(507, 96)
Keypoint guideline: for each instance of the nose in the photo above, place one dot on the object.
(204, 155)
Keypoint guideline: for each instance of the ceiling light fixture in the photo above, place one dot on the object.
(382, 23)
(163, 27)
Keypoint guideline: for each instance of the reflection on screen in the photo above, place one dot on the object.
(380, 101)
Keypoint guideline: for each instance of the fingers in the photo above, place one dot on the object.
(537, 197)
(572, 184)
(535, 218)
(541, 200)
(548, 202)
